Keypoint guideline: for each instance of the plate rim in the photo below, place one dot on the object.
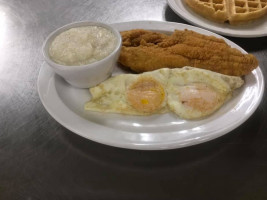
(161, 146)
(173, 5)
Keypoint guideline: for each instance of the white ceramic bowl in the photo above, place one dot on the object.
(89, 75)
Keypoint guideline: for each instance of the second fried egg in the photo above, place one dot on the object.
(194, 93)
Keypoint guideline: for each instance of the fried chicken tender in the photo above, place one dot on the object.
(144, 50)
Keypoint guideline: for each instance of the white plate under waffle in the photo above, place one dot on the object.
(156, 132)
(257, 28)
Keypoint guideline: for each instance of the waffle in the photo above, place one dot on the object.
(246, 10)
(211, 9)
(232, 11)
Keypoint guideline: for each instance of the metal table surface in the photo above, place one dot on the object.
(40, 159)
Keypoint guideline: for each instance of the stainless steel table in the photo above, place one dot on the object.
(40, 159)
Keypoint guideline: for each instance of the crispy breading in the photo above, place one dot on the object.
(144, 50)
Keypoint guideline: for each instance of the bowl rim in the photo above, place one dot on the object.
(52, 35)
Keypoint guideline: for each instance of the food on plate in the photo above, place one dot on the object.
(195, 93)
(82, 45)
(211, 9)
(131, 94)
(144, 50)
(232, 11)
(189, 92)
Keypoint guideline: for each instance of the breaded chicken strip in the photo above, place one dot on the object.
(146, 51)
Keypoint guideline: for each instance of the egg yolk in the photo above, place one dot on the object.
(200, 97)
(146, 95)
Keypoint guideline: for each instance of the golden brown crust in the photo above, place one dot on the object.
(183, 48)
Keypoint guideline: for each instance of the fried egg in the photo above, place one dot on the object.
(195, 93)
(135, 94)
(190, 93)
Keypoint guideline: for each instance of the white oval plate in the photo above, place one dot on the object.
(258, 28)
(156, 132)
